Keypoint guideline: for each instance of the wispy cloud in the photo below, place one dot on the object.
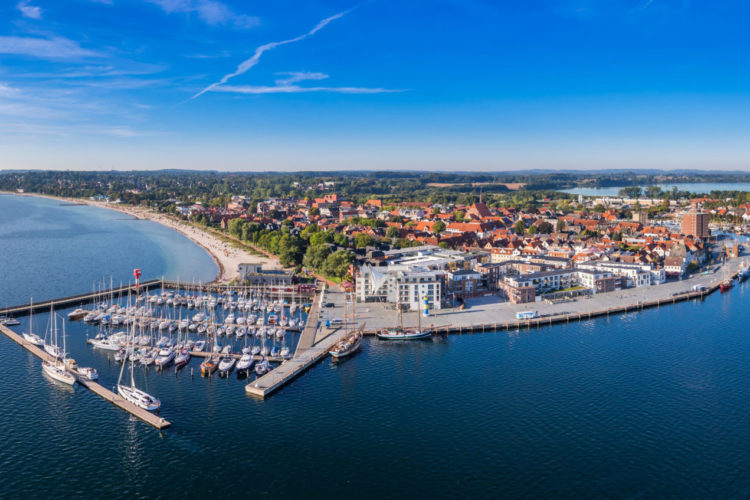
(247, 64)
(30, 11)
(299, 76)
(211, 12)
(295, 89)
(44, 48)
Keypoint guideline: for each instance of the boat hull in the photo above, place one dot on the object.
(139, 398)
(404, 336)
(59, 374)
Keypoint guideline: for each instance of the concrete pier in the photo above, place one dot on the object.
(273, 291)
(148, 417)
(314, 343)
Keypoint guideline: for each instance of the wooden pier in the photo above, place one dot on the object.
(310, 350)
(148, 417)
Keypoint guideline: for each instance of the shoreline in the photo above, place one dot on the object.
(225, 256)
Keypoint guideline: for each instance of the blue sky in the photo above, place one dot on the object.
(441, 85)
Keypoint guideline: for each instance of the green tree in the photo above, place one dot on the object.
(341, 239)
(363, 240)
(308, 231)
(391, 232)
(321, 237)
(532, 229)
(519, 227)
(438, 227)
(315, 256)
(560, 226)
(337, 264)
(545, 227)
(234, 227)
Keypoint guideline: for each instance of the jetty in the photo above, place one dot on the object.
(147, 416)
(276, 291)
(314, 344)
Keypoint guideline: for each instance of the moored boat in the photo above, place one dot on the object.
(404, 334)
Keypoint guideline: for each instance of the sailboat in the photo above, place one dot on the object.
(55, 369)
(401, 333)
(727, 283)
(50, 339)
(211, 363)
(30, 336)
(131, 393)
(353, 339)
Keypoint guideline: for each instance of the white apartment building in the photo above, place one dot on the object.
(399, 285)
(636, 275)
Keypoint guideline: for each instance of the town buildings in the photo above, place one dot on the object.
(695, 224)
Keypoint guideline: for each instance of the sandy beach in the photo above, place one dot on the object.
(226, 255)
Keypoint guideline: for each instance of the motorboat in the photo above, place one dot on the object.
(182, 358)
(85, 373)
(77, 314)
(245, 362)
(262, 367)
(226, 365)
(166, 356)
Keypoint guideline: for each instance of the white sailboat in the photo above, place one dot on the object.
(30, 336)
(131, 393)
(55, 369)
(50, 338)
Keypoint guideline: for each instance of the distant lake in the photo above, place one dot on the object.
(696, 187)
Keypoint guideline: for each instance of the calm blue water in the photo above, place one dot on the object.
(50, 249)
(695, 187)
(640, 405)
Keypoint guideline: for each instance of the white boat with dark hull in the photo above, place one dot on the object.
(401, 333)
(404, 334)
(182, 359)
(226, 365)
(245, 363)
(78, 314)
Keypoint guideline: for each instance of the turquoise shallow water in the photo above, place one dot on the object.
(641, 405)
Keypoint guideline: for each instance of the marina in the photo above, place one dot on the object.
(148, 417)
(164, 330)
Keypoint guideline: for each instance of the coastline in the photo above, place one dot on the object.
(227, 257)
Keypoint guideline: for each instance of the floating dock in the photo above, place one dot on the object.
(148, 417)
(310, 350)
